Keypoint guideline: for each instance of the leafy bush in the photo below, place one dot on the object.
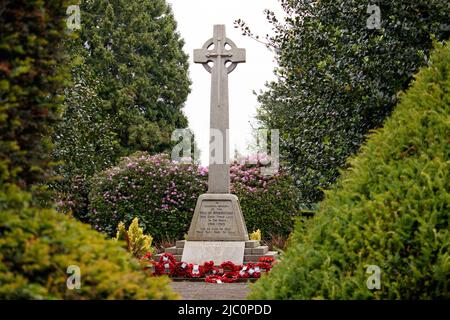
(338, 79)
(38, 245)
(163, 194)
(390, 209)
(72, 196)
(137, 242)
(255, 235)
(269, 203)
(160, 193)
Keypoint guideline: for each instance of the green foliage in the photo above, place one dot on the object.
(130, 81)
(269, 203)
(390, 209)
(137, 243)
(337, 79)
(255, 235)
(160, 193)
(84, 142)
(30, 79)
(38, 245)
(122, 233)
(84, 139)
(163, 194)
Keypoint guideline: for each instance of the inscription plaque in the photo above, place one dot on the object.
(218, 217)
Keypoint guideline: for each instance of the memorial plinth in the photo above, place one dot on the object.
(218, 232)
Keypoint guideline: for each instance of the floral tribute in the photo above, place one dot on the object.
(227, 272)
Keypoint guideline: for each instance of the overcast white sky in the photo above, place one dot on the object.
(195, 23)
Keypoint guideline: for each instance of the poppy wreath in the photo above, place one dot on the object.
(214, 272)
(181, 269)
(243, 272)
(251, 270)
(214, 279)
(227, 272)
(228, 266)
(230, 277)
(210, 269)
(195, 271)
(165, 268)
(147, 256)
(264, 266)
(208, 266)
(268, 260)
(167, 257)
(255, 272)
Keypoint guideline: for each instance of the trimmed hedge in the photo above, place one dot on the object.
(391, 209)
(163, 194)
(38, 245)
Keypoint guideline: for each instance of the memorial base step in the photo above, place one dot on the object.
(203, 280)
(252, 252)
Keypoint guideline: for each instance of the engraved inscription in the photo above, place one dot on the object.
(216, 218)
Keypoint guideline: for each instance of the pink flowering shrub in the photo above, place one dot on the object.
(269, 203)
(163, 194)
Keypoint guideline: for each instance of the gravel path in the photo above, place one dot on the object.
(210, 291)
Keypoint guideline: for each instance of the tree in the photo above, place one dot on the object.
(30, 76)
(130, 81)
(386, 221)
(136, 53)
(338, 78)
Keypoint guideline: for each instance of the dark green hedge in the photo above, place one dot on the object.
(30, 77)
(37, 244)
(390, 209)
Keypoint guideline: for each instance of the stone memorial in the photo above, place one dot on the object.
(218, 232)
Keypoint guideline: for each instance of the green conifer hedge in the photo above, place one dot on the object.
(37, 244)
(390, 209)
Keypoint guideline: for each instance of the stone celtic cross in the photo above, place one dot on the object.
(224, 55)
(218, 231)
